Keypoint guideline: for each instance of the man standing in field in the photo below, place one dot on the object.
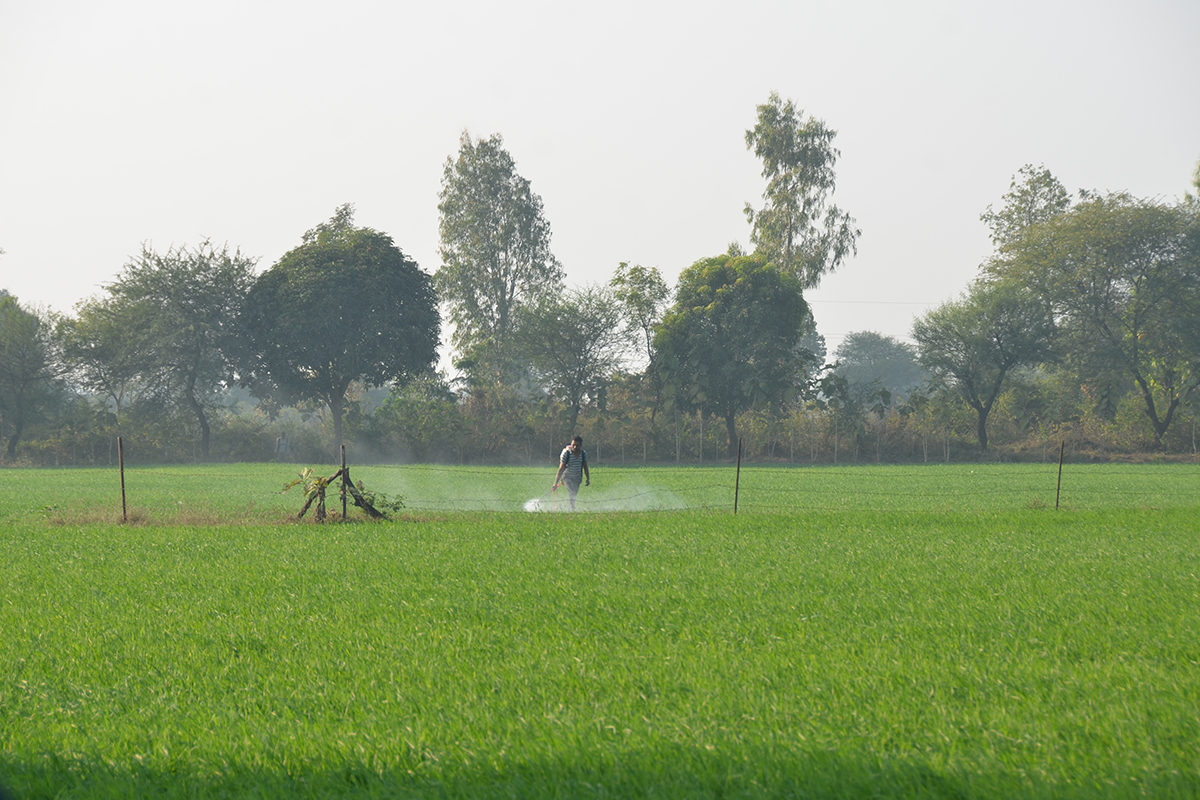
(573, 468)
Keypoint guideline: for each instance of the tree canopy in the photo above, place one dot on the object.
(102, 356)
(974, 343)
(798, 228)
(26, 374)
(1122, 277)
(345, 305)
(732, 337)
(870, 361)
(1034, 196)
(495, 249)
(175, 313)
(573, 343)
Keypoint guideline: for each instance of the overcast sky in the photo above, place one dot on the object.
(247, 123)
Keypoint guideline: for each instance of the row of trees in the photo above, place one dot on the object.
(1085, 308)
(1103, 293)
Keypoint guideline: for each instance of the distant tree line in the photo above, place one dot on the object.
(1082, 326)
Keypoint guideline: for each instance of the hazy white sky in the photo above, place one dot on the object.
(244, 122)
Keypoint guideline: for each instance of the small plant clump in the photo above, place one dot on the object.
(315, 487)
(379, 500)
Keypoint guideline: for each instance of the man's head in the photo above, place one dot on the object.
(577, 443)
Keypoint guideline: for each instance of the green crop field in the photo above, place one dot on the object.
(933, 631)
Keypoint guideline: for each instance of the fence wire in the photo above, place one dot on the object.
(798, 489)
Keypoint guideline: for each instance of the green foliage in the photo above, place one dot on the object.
(376, 504)
(1123, 279)
(383, 502)
(643, 296)
(1035, 198)
(169, 319)
(975, 343)
(495, 249)
(573, 343)
(101, 350)
(732, 338)
(27, 380)
(313, 487)
(870, 362)
(422, 419)
(346, 305)
(797, 228)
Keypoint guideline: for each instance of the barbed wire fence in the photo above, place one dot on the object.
(753, 488)
(797, 489)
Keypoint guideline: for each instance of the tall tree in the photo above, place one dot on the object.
(642, 295)
(798, 229)
(26, 371)
(1034, 196)
(1123, 278)
(495, 249)
(976, 342)
(573, 343)
(178, 310)
(733, 337)
(99, 351)
(345, 305)
(869, 361)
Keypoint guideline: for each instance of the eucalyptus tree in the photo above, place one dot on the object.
(495, 250)
(976, 342)
(733, 338)
(345, 305)
(1122, 277)
(573, 344)
(798, 228)
(176, 314)
(642, 295)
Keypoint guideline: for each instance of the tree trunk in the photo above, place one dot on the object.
(336, 402)
(189, 394)
(336, 410)
(731, 432)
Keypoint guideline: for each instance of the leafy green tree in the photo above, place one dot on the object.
(1122, 276)
(733, 337)
(1034, 196)
(574, 343)
(975, 343)
(176, 313)
(423, 417)
(643, 297)
(495, 249)
(345, 305)
(798, 229)
(99, 351)
(26, 370)
(869, 361)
